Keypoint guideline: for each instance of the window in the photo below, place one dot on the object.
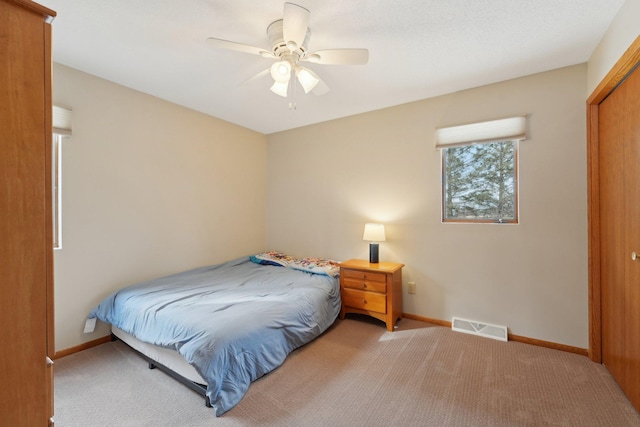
(56, 181)
(480, 170)
(61, 130)
(479, 183)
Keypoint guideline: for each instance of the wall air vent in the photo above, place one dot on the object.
(472, 327)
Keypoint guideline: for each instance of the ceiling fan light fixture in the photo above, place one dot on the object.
(281, 71)
(306, 79)
(280, 88)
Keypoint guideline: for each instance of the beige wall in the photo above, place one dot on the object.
(149, 188)
(623, 31)
(325, 181)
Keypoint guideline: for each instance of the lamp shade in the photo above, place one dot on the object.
(307, 79)
(280, 88)
(281, 71)
(373, 232)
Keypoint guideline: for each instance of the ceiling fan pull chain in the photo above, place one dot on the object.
(293, 105)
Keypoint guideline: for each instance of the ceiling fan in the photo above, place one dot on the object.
(288, 39)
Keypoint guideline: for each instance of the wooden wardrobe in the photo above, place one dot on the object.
(26, 244)
(614, 223)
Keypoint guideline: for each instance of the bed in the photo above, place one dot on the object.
(231, 323)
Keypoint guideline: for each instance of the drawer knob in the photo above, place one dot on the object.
(364, 286)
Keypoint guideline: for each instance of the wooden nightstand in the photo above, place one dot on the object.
(372, 289)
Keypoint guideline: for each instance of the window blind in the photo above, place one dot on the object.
(61, 121)
(512, 128)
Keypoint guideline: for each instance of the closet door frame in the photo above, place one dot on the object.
(616, 75)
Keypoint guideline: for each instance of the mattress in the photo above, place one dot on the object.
(231, 323)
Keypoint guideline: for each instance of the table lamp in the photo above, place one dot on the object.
(373, 233)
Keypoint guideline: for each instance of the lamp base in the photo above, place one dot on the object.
(373, 253)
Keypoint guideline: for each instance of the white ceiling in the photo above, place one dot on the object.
(417, 49)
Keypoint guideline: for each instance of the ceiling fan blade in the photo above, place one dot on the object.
(295, 23)
(339, 57)
(239, 47)
(320, 89)
(257, 76)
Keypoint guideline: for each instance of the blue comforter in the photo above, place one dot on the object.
(233, 322)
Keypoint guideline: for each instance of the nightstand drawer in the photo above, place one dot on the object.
(364, 284)
(364, 275)
(364, 300)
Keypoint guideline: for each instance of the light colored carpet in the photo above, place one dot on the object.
(358, 374)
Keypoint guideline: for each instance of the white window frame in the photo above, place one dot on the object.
(470, 219)
(61, 129)
(56, 187)
(511, 129)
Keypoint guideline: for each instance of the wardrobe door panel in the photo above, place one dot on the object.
(619, 169)
(611, 153)
(631, 127)
(25, 247)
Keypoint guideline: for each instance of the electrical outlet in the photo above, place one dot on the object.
(412, 287)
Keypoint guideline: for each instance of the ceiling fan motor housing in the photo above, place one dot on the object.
(279, 46)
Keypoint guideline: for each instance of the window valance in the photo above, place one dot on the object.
(61, 121)
(512, 128)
